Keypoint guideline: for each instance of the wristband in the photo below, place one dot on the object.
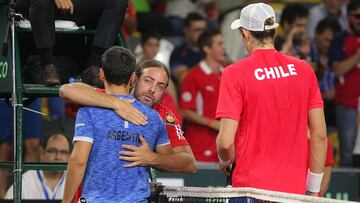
(313, 181)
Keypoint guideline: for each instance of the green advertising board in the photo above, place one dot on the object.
(5, 76)
(5, 62)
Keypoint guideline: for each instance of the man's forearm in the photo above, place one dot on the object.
(342, 67)
(179, 73)
(192, 116)
(318, 140)
(318, 143)
(86, 95)
(74, 177)
(225, 139)
(181, 161)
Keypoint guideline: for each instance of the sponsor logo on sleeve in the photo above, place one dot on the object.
(169, 118)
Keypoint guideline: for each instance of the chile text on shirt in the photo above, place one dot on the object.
(274, 72)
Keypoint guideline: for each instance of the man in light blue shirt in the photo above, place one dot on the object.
(100, 132)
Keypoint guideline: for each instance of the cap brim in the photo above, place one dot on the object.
(235, 24)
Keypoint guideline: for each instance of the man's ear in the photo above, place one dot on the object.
(245, 34)
(206, 49)
(102, 74)
(133, 79)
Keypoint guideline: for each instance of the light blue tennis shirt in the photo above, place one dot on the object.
(106, 180)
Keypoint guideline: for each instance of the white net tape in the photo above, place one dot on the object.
(200, 192)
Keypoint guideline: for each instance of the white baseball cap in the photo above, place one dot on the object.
(253, 17)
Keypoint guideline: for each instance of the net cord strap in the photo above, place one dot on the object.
(273, 196)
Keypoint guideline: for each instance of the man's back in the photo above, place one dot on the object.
(106, 180)
(272, 93)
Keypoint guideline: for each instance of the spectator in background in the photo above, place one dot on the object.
(212, 12)
(91, 76)
(344, 58)
(104, 15)
(129, 26)
(156, 47)
(176, 11)
(335, 9)
(324, 33)
(32, 134)
(150, 43)
(46, 185)
(199, 93)
(187, 55)
(293, 23)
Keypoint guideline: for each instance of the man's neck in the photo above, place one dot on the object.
(52, 178)
(117, 89)
(213, 64)
(254, 47)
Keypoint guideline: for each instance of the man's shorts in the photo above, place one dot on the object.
(32, 127)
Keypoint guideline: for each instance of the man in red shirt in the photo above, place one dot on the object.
(199, 93)
(267, 102)
(150, 79)
(344, 57)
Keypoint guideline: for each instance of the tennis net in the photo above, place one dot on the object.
(163, 194)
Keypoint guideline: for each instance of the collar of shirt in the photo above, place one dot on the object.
(48, 193)
(206, 68)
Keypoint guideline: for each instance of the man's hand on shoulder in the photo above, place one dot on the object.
(126, 111)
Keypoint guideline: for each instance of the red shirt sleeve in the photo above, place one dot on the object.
(230, 102)
(175, 133)
(169, 102)
(188, 92)
(173, 128)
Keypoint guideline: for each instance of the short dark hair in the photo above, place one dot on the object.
(353, 5)
(46, 139)
(151, 63)
(91, 77)
(118, 64)
(328, 23)
(150, 34)
(293, 11)
(261, 36)
(193, 16)
(206, 39)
